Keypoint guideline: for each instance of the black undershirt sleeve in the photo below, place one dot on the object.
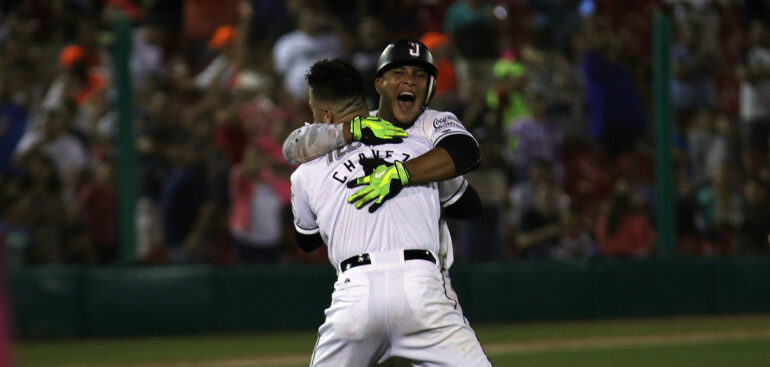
(463, 150)
(468, 206)
(309, 242)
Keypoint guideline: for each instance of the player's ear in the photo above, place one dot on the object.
(327, 115)
(378, 85)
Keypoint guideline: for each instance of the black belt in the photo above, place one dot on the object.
(364, 259)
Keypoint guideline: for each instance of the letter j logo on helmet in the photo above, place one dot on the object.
(414, 49)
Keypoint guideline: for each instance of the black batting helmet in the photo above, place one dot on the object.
(409, 52)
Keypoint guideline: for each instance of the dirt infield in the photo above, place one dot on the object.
(493, 349)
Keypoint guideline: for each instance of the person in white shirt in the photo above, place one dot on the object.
(754, 74)
(389, 301)
(295, 52)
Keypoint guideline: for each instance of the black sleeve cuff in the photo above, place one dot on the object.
(468, 206)
(463, 150)
(308, 243)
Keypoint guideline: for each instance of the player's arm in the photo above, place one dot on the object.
(454, 155)
(314, 140)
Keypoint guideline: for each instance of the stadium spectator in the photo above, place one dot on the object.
(616, 115)
(477, 116)
(536, 137)
(66, 152)
(147, 51)
(466, 22)
(98, 209)
(186, 205)
(44, 210)
(295, 52)
(540, 228)
(754, 74)
(623, 229)
(155, 128)
(256, 217)
(723, 149)
(550, 75)
(481, 238)
(14, 117)
(754, 231)
(506, 93)
(79, 79)
(576, 242)
(695, 62)
(700, 137)
(720, 208)
(522, 194)
(689, 238)
(229, 43)
(371, 41)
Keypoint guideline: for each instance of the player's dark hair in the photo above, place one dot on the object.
(336, 81)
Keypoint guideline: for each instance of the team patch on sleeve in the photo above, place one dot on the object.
(447, 122)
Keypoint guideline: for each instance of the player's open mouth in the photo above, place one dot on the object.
(405, 101)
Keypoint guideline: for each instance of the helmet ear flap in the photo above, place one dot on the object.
(431, 90)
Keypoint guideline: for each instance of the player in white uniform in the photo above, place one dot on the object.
(389, 303)
(313, 140)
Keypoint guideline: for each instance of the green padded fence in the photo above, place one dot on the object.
(272, 298)
(130, 301)
(47, 302)
(118, 301)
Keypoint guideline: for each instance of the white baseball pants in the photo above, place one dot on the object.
(395, 312)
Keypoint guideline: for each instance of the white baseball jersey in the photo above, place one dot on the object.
(319, 202)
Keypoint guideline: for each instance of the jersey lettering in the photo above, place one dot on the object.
(341, 152)
(341, 180)
(349, 165)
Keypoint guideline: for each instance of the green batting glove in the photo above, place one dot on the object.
(385, 182)
(374, 130)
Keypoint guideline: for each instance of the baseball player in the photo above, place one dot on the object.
(457, 197)
(389, 302)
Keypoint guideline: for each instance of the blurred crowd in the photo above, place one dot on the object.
(557, 92)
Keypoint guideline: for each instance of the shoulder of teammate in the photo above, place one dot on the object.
(436, 125)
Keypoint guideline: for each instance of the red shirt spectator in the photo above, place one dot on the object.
(97, 201)
(622, 230)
